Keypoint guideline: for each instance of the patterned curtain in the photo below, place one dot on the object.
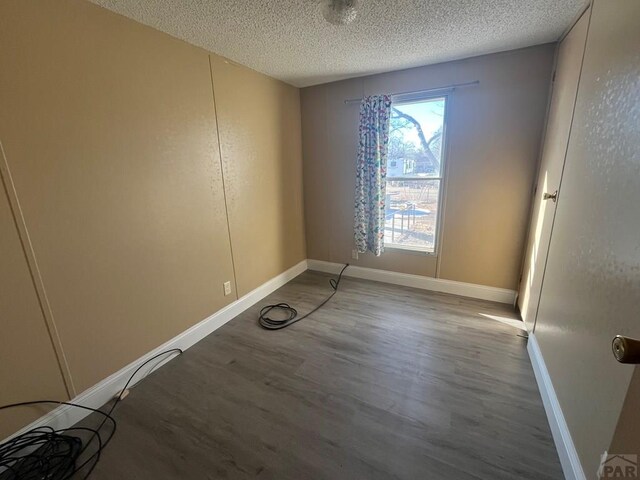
(371, 173)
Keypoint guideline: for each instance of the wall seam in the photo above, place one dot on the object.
(328, 205)
(302, 190)
(34, 273)
(224, 184)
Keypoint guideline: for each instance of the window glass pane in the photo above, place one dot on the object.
(415, 139)
(410, 214)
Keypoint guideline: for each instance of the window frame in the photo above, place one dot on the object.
(410, 98)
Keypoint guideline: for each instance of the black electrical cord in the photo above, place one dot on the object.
(43, 453)
(292, 313)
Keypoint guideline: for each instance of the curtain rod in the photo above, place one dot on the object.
(436, 89)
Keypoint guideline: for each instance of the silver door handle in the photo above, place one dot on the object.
(551, 196)
(625, 349)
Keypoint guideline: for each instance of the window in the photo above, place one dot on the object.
(414, 174)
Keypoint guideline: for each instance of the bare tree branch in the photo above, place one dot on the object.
(423, 141)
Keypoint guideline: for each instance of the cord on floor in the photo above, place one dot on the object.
(291, 313)
(46, 453)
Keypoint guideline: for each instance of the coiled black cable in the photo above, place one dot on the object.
(44, 453)
(292, 314)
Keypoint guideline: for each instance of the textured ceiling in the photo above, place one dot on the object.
(290, 40)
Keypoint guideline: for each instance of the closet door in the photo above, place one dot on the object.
(563, 97)
(591, 289)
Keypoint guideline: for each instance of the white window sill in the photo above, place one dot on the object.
(409, 250)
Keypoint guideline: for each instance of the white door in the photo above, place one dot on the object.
(591, 288)
(563, 96)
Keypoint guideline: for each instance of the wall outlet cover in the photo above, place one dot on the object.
(227, 288)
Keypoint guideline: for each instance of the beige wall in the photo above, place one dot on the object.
(110, 135)
(33, 370)
(494, 133)
(259, 122)
(591, 289)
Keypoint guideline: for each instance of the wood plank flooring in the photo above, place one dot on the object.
(384, 382)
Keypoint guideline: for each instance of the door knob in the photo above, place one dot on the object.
(551, 196)
(625, 349)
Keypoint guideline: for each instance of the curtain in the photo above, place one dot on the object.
(371, 173)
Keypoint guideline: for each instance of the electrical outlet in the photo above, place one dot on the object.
(227, 288)
(354, 254)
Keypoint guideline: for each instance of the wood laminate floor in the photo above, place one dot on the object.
(384, 382)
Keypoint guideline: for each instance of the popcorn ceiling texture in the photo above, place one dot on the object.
(291, 41)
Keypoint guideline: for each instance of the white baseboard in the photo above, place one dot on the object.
(96, 396)
(569, 459)
(471, 290)
(102, 392)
